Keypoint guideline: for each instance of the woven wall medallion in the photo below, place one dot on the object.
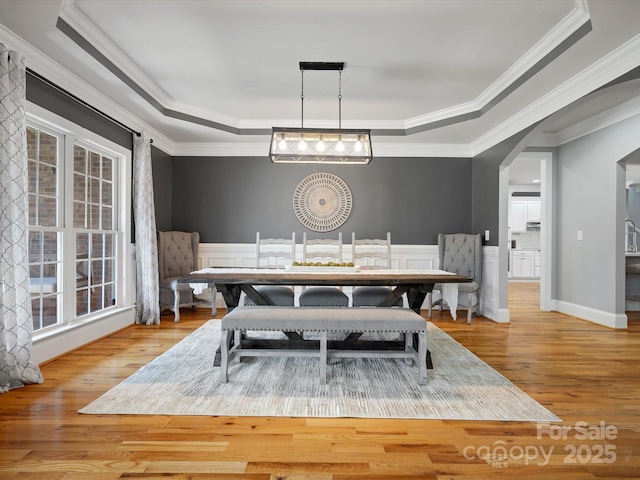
(322, 202)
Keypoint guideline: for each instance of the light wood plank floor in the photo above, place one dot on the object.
(586, 374)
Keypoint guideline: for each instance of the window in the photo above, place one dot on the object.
(74, 235)
(45, 232)
(93, 222)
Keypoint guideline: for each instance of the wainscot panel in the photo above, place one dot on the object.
(404, 257)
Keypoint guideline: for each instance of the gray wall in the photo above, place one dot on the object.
(228, 199)
(57, 102)
(161, 164)
(591, 198)
(486, 184)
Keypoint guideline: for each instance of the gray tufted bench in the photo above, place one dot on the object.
(324, 320)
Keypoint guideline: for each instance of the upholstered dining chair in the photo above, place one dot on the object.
(461, 254)
(275, 253)
(322, 250)
(178, 257)
(371, 253)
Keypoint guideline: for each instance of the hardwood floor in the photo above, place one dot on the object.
(586, 374)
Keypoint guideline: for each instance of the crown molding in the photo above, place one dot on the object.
(617, 63)
(576, 20)
(380, 150)
(607, 69)
(564, 34)
(427, 150)
(549, 140)
(517, 74)
(605, 119)
(90, 33)
(53, 71)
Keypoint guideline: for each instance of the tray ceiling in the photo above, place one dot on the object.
(437, 76)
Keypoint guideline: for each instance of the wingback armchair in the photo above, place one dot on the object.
(461, 254)
(178, 257)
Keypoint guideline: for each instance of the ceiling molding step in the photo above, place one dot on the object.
(605, 119)
(53, 71)
(220, 149)
(94, 36)
(8, 38)
(515, 76)
(416, 150)
(544, 140)
(608, 68)
(542, 52)
(393, 150)
(545, 47)
(444, 116)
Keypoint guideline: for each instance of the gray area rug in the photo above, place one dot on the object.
(183, 381)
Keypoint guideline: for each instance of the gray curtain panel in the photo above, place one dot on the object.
(16, 321)
(147, 287)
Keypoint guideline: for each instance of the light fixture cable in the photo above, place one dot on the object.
(340, 101)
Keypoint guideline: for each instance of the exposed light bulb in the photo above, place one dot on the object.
(283, 144)
(358, 146)
(320, 146)
(302, 146)
(340, 146)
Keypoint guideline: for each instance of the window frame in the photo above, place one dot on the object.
(71, 134)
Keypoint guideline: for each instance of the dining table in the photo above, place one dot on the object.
(231, 282)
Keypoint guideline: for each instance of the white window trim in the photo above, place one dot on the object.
(53, 340)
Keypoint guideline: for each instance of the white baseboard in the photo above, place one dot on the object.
(65, 339)
(606, 319)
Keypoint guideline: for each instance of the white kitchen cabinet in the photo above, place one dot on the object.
(533, 210)
(518, 217)
(525, 264)
(522, 266)
(523, 210)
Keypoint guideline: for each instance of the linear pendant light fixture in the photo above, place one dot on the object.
(321, 145)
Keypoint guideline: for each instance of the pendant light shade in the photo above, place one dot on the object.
(310, 145)
(321, 145)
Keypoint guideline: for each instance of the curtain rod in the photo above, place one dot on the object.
(82, 102)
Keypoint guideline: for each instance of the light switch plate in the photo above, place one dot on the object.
(579, 234)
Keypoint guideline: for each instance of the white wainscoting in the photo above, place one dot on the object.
(489, 292)
(404, 257)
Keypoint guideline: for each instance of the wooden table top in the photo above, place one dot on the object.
(321, 276)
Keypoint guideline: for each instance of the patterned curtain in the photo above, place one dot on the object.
(147, 286)
(16, 321)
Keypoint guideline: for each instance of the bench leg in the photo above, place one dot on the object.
(323, 358)
(422, 358)
(224, 361)
(408, 346)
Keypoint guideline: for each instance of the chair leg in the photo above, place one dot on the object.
(429, 306)
(176, 306)
(469, 307)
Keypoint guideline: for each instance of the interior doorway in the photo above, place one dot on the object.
(632, 237)
(530, 224)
